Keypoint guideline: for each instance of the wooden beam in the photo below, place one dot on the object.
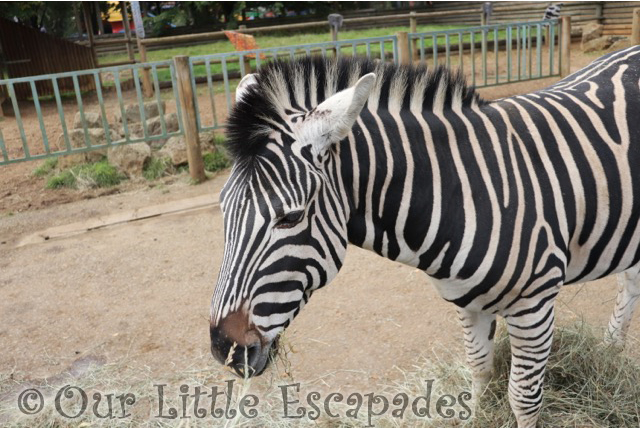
(635, 27)
(127, 30)
(89, 27)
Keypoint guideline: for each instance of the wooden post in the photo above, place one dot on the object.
(404, 53)
(127, 30)
(147, 88)
(189, 121)
(89, 28)
(96, 5)
(635, 27)
(565, 63)
(598, 13)
(413, 28)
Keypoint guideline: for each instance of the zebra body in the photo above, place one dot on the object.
(500, 203)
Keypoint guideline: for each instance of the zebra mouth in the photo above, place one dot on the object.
(254, 359)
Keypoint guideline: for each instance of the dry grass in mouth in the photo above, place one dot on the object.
(587, 384)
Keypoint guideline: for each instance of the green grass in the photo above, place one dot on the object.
(46, 167)
(215, 161)
(98, 174)
(156, 168)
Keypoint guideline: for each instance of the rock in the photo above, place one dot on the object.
(132, 112)
(174, 149)
(94, 120)
(620, 44)
(599, 44)
(590, 32)
(129, 158)
(208, 142)
(154, 126)
(97, 137)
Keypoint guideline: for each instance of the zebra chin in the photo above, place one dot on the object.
(246, 360)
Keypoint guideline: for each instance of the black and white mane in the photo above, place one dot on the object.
(289, 88)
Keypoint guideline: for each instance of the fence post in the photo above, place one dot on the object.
(565, 46)
(413, 28)
(189, 121)
(127, 30)
(635, 27)
(146, 74)
(404, 54)
(247, 61)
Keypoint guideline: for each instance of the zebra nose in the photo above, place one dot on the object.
(246, 360)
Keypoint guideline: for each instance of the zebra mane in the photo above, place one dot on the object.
(289, 87)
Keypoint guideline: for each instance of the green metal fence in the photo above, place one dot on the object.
(494, 54)
(40, 128)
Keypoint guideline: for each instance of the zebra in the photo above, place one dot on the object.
(499, 202)
(552, 11)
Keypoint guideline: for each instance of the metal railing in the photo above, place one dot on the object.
(493, 54)
(374, 47)
(198, 89)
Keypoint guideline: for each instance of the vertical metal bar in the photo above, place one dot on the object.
(207, 64)
(308, 50)
(125, 125)
(3, 148)
(539, 49)
(225, 76)
(103, 112)
(447, 47)
(484, 56)
(242, 72)
(509, 53)
(143, 119)
(518, 49)
(36, 103)
(422, 50)
(156, 86)
(176, 96)
(355, 49)
(16, 112)
(76, 88)
(65, 132)
(552, 42)
(382, 58)
(394, 46)
(193, 88)
(434, 40)
(530, 51)
(258, 60)
(473, 58)
(323, 52)
(368, 49)
(495, 48)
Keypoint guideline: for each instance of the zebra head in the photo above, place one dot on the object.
(285, 213)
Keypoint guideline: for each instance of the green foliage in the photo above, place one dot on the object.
(46, 167)
(157, 168)
(215, 161)
(56, 17)
(98, 174)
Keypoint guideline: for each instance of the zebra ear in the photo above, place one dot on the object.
(332, 119)
(243, 86)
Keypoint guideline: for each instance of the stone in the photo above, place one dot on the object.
(97, 137)
(599, 44)
(620, 44)
(174, 149)
(93, 120)
(154, 126)
(132, 111)
(208, 142)
(590, 32)
(129, 158)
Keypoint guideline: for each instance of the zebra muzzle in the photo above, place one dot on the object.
(247, 360)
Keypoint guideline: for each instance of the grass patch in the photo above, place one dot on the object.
(98, 174)
(156, 168)
(46, 167)
(215, 161)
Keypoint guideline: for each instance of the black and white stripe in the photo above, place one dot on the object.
(500, 203)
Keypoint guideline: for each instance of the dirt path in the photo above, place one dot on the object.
(139, 293)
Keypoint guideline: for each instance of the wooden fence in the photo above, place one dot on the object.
(28, 52)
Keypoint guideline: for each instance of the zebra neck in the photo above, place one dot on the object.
(405, 196)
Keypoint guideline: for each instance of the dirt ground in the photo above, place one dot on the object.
(139, 293)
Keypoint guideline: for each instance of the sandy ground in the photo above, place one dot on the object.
(138, 293)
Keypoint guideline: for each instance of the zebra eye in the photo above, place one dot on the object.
(290, 220)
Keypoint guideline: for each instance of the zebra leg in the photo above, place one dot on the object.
(626, 301)
(530, 333)
(479, 329)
